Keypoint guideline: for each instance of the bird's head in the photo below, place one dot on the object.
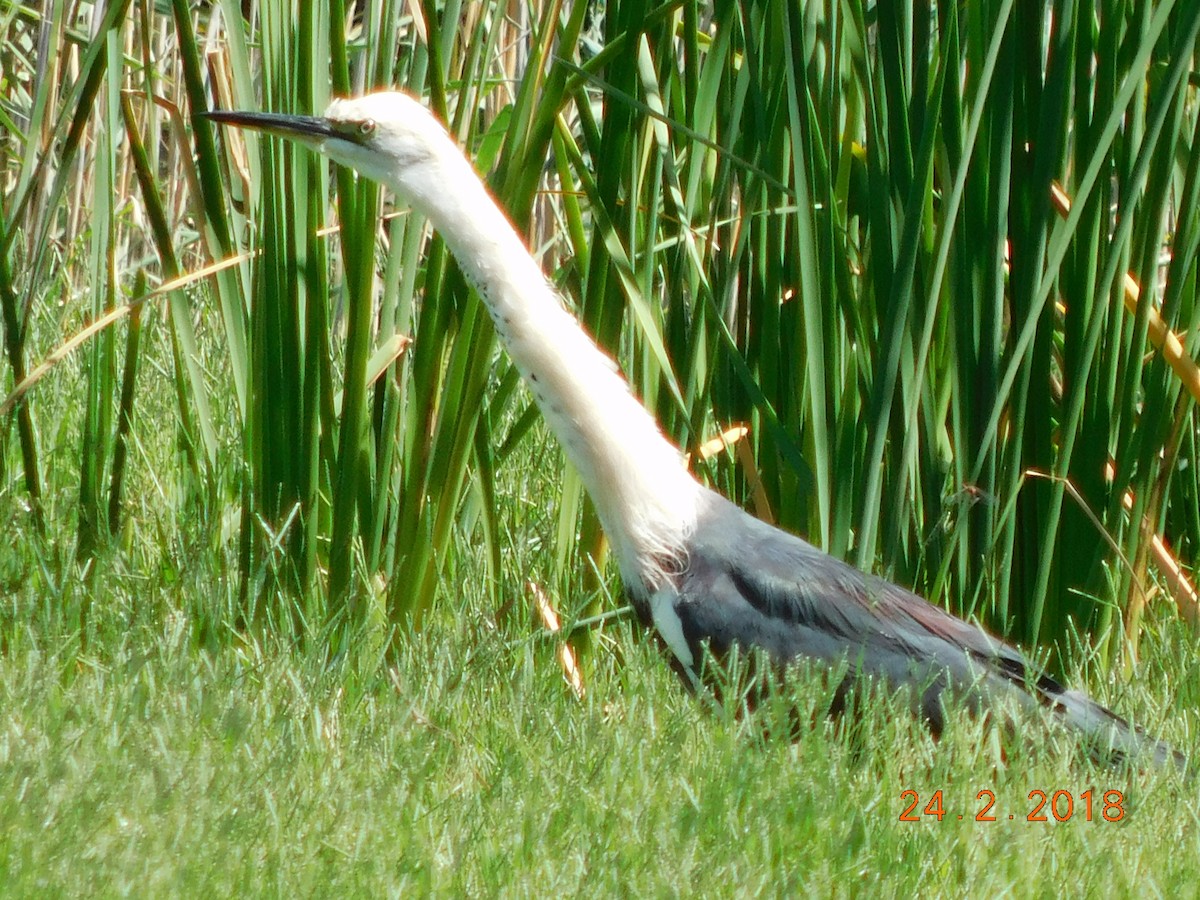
(388, 136)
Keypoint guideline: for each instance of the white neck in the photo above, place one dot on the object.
(637, 480)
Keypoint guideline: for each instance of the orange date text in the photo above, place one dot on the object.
(1043, 806)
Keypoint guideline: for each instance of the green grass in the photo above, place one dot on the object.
(829, 222)
(161, 762)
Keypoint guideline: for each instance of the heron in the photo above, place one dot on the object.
(702, 574)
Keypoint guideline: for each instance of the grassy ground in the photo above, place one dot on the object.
(149, 747)
(163, 760)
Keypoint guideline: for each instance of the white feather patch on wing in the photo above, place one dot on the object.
(666, 620)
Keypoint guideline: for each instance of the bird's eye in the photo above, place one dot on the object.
(366, 127)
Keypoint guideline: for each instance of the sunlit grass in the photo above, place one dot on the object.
(302, 661)
(154, 766)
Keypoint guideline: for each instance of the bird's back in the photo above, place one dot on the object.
(749, 584)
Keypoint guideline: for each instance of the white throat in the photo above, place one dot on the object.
(637, 480)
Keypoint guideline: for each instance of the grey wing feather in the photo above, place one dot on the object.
(750, 584)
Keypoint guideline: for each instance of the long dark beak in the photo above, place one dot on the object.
(309, 129)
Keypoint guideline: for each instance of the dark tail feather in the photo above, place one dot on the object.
(1111, 736)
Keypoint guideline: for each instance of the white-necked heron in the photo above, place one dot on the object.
(705, 574)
